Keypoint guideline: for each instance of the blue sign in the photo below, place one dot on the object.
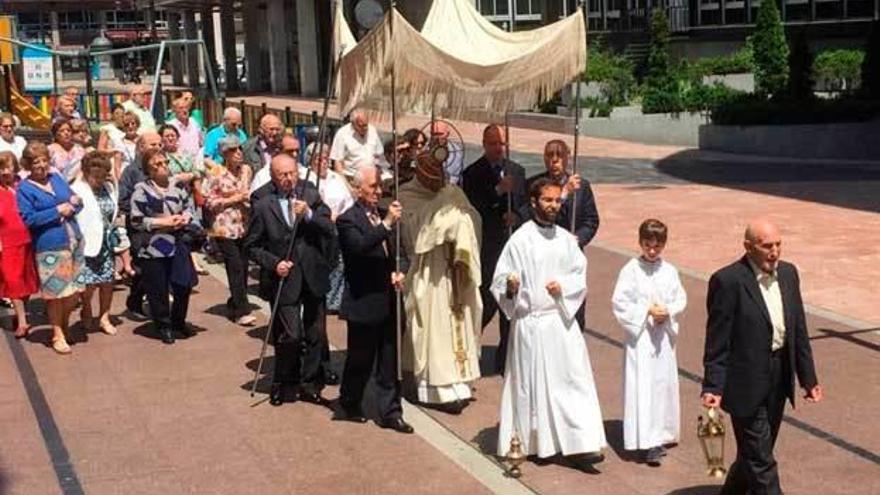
(38, 67)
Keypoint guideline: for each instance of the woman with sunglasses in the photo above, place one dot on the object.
(159, 212)
(227, 195)
(125, 147)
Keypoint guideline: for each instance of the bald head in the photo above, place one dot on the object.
(360, 122)
(494, 141)
(763, 244)
(283, 170)
(149, 140)
(271, 129)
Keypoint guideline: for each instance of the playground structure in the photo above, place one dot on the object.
(35, 112)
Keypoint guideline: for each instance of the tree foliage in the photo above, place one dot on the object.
(770, 50)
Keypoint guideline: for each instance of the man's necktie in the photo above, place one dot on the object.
(291, 200)
(375, 220)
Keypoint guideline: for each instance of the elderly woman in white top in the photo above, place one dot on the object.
(337, 195)
(100, 206)
(8, 140)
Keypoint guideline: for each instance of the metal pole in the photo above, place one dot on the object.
(397, 301)
(157, 77)
(209, 70)
(577, 134)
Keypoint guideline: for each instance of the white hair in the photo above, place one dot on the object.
(231, 112)
(362, 167)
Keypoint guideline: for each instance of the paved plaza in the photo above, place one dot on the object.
(129, 415)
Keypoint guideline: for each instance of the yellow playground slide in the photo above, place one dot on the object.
(29, 114)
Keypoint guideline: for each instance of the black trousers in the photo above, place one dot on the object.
(236, 263)
(754, 471)
(299, 343)
(372, 350)
(156, 282)
(135, 299)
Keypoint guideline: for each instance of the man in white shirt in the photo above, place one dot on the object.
(191, 138)
(353, 142)
(136, 103)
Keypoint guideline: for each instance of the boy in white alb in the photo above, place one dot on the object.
(648, 297)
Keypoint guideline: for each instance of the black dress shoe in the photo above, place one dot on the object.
(166, 335)
(396, 424)
(331, 378)
(185, 330)
(276, 394)
(352, 414)
(309, 394)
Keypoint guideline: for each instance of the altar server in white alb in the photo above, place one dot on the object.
(549, 397)
(647, 300)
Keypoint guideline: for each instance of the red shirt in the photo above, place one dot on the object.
(13, 231)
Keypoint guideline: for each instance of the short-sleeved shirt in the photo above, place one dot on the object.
(212, 142)
(230, 222)
(349, 147)
(191, 137)
(16, 146)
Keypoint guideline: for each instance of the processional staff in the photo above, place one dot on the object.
(397, 299)
(577, 132)
(299, 193)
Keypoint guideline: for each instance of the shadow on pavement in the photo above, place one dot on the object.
(487, 440)
(850, 337)
(614, 436)
(828, 183)
(697, 490)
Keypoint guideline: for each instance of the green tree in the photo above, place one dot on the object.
(770, 50)
(839, 68)
(661, 92)
(871, 64)
(800, 64)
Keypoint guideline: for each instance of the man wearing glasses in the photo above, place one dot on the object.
(289, 147)
(136, 103)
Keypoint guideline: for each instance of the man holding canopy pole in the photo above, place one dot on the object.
(496, 187)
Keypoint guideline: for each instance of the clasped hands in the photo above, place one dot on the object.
(69, 208)
(659, 313)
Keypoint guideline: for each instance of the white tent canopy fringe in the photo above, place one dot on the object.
(526, 67)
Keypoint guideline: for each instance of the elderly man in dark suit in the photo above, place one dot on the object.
(756, 343)
(289, 208)
(368, 302)
(496, 187)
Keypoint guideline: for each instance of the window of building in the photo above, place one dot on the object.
(498, 10)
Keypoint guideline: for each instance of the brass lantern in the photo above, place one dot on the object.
(515, 456)
(710, 431)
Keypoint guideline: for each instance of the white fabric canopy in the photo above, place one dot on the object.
(460, 61)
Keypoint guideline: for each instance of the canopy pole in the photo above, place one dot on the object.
(577, 134)
(506, 162)
(397, 298)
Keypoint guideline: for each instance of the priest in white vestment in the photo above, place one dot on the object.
(549, 398)
(442, 297)
(648, 297)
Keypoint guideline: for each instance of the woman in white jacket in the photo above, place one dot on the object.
(100, 199)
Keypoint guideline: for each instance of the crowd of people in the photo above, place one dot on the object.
(475, 241)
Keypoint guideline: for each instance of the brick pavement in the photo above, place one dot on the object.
(137, 416)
